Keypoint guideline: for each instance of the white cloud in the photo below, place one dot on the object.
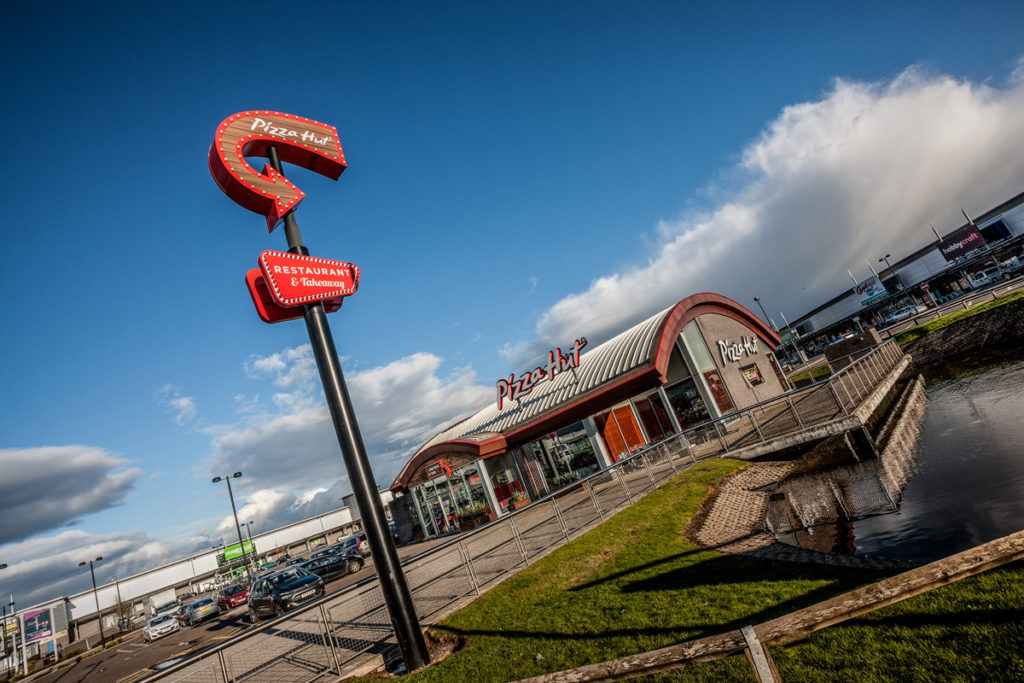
(183, 407)
(860, 172)
(52, 486)
(45, 568)
(291, 368)
(292, 448)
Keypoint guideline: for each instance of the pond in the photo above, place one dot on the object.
(960, 482)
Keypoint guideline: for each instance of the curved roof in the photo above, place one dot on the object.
(641, 350)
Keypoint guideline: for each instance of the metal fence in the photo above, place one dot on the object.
(329, 637)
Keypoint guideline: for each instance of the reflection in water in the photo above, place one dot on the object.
(957, 485)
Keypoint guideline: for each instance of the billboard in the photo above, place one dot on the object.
(233, 552)
(870, 289)
(960, 242)
(38, 625)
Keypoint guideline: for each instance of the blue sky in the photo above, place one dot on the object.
(519, 175)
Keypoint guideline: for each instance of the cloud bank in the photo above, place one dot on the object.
(858, 173)
(52, 486)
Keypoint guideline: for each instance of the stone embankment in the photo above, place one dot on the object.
(732, 519)
(996, 330)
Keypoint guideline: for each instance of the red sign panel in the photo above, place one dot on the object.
(267, 308)
(295, 280)
(299, 141)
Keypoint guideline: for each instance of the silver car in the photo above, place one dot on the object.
(159, 627)
(200, 610)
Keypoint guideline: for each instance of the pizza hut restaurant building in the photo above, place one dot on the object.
(695, 361)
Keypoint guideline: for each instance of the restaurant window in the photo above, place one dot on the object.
(654, 417)
(620, 431)
(694, 343)
(440, 499)
(570, 454)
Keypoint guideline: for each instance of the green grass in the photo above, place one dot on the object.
(947, 320)
(815, 373)
(635, 584)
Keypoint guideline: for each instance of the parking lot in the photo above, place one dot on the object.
(134, 658)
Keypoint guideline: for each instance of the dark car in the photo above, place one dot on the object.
(232, 596)
(181, 613)
(279, 592)
(330, 567)
(355, 543)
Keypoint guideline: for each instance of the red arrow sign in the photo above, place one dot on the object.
(294, 280)
(267, 309)
(299, 141)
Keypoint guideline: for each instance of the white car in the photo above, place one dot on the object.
(159, 627)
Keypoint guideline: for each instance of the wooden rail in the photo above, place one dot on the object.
(796, 625)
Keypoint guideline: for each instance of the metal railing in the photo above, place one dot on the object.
(328, 637)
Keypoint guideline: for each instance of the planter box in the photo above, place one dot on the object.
(474, 522)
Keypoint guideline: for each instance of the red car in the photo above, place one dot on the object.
(233, 596)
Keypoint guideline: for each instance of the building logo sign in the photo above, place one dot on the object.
(870, 289)
(37, 625)
(733, 352)
(512, 388)
(962, 241)
(436, 469)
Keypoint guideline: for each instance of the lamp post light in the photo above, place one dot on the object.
(96, 597)
(766, 318)
(888, 266)
(234, 511)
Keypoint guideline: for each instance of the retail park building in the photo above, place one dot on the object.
(960, 262)
(579, 411)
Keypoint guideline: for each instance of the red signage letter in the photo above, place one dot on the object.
(299, 141)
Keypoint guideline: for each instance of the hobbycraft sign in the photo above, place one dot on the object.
(300, 141)
(295, 280)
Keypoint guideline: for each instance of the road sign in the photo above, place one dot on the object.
(924, 286)
(295, 279)
(267, 308)
(299, 141)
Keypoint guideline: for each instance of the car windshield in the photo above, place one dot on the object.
(161, 620)
(201, 603)
(232, 590)
(286, 577)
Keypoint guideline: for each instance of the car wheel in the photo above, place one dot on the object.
(253, 617)
(354, 566)
(278, 610)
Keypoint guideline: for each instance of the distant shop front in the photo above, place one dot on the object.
(578, 411)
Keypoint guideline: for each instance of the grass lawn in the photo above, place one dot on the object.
(947, 320)
(635, 584)
(816, 373)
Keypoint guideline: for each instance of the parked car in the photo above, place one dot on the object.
(279, 592)
(232, 596)
(900, 314)
(986, 276)
(201, 610)
(355, 543)
(330, 567)
(159, 627)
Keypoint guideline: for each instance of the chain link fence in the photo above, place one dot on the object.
(332, 636)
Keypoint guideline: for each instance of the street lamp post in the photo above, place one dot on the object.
(96, 597)
(234, 511)
(766, 318)
(888, 267)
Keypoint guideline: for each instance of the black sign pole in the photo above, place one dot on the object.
(397, 596)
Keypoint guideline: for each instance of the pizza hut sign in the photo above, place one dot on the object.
(512, 388)
(733, 352)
